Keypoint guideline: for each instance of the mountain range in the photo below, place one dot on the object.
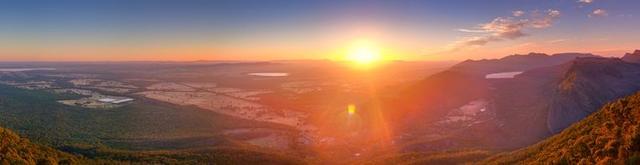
(554, 106)
(562, 106)
(610, 135)
(524, 109)
(544, 101)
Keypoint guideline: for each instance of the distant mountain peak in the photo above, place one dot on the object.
(632, 57)
(537, 54)
(575, 54)
(587, 67)
(529, 55)
(637, 52)
(579, 61)
(517, 62)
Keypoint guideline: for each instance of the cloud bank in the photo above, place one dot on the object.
(585, 1)
(518, 13)
(599, 13)
(508, 28)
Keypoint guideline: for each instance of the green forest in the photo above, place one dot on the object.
(144, 132)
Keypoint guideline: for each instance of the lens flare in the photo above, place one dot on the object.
(351, 109)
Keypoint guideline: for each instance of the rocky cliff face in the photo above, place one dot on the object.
(552, 93)
(610, 135)
(587, 85)
(543, 101)
(521, 104)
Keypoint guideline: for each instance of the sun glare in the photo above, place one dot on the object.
(364, 54)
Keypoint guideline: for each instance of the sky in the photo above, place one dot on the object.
(427, 30)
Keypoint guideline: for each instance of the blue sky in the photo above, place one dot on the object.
(265, 30)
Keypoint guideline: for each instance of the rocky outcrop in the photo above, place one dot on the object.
(587, 85)
(543, 101)
(611, 135)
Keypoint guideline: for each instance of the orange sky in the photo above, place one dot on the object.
(284, 30)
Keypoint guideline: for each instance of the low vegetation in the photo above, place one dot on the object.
(144, 132)
(608, 136)
(35, 114)
(451, 157)
(17, 150)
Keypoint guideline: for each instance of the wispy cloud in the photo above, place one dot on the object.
(599, 13)
(470, 41)
(472, 30)
(585, 1)
(507, 28)
(542, 20)
(518, 13)
(625, 15)
(556, 41)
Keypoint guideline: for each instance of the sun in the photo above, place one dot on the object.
(364, 53)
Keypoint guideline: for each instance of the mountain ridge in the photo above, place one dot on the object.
(17, 150)
(632, 57)
(608, 136)
(517, 62)
(588, 84)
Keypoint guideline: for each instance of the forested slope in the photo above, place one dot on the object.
(17, 150)
(608, 136)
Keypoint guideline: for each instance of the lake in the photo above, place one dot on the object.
(23, 69)
(269, 74)
(502, 75)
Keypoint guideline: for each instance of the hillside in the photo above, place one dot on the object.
(114, 136)
(587, 85)
(543, 101)
(17, 150)
(432, 97)
(449, 157)
(519, 109)
(609, 136)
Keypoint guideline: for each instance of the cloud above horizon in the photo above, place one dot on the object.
(599, 13)
(518, 13)
(585, 1)
(507, 28)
